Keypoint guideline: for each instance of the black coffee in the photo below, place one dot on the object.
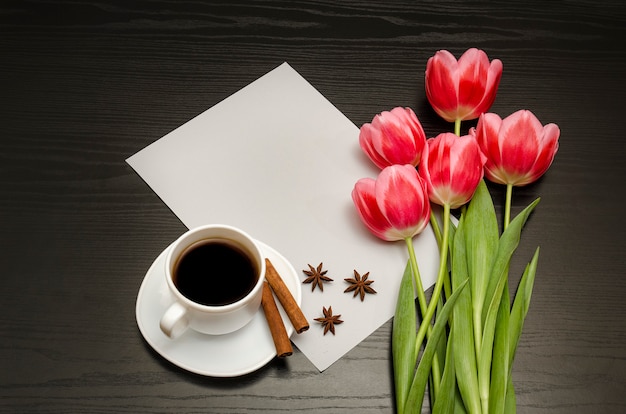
(215, 272)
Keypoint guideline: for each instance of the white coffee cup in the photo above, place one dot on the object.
(205, 305)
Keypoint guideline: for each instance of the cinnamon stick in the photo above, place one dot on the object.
(275, 322)
(297, 318)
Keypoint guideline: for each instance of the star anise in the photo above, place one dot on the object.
(316, 277)
(329, 320)
(360, 285)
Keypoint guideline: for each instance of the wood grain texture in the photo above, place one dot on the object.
(84, 85)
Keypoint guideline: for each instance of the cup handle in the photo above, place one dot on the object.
(174, 321)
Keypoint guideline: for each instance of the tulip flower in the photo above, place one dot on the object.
(464, 89)
(393, 137)
(518, 148)
(452, 168)
(395, 205)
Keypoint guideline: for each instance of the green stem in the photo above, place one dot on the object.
(425, 326)
(435, 225)
(507, 206)
(457, 127)
(421, 297)
(447, 288)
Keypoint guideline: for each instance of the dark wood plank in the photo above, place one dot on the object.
(87, 84)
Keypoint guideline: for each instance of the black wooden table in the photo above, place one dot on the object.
(84, 85)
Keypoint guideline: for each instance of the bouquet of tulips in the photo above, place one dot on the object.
(461, 342)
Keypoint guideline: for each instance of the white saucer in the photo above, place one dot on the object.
(234, 354)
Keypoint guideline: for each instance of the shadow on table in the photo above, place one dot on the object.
(277, 367)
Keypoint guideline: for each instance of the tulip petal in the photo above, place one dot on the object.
(397, 142)
(402, 200)
(473, 65)
(452, 167)
(462, 89)
(548, 146)
(367, 137)
(489, 126)
(468, 170)
(520, 141)
(442, 84)
(395, 205)
(518, 148)
(364, 198)
(393, 137)
(494, 74)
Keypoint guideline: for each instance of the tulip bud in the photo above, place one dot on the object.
(519, 149)
(452, 168)
(395, 206)
(464, 89)
(393, 137)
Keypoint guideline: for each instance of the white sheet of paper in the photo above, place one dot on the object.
(278, 160)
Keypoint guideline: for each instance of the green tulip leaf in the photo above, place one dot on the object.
(521, 303)
(508, 243)
(403, 339)
(510, 405)
(418, 387)
(464, 348)
(442, 345)
(459, 407)
(500, 359)
(510, 236)
(481, 238)
(446, 398)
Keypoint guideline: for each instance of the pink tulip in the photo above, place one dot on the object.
(452, 168)
(395, 206)
(393, 137)
(518, 148)
(464, 89)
